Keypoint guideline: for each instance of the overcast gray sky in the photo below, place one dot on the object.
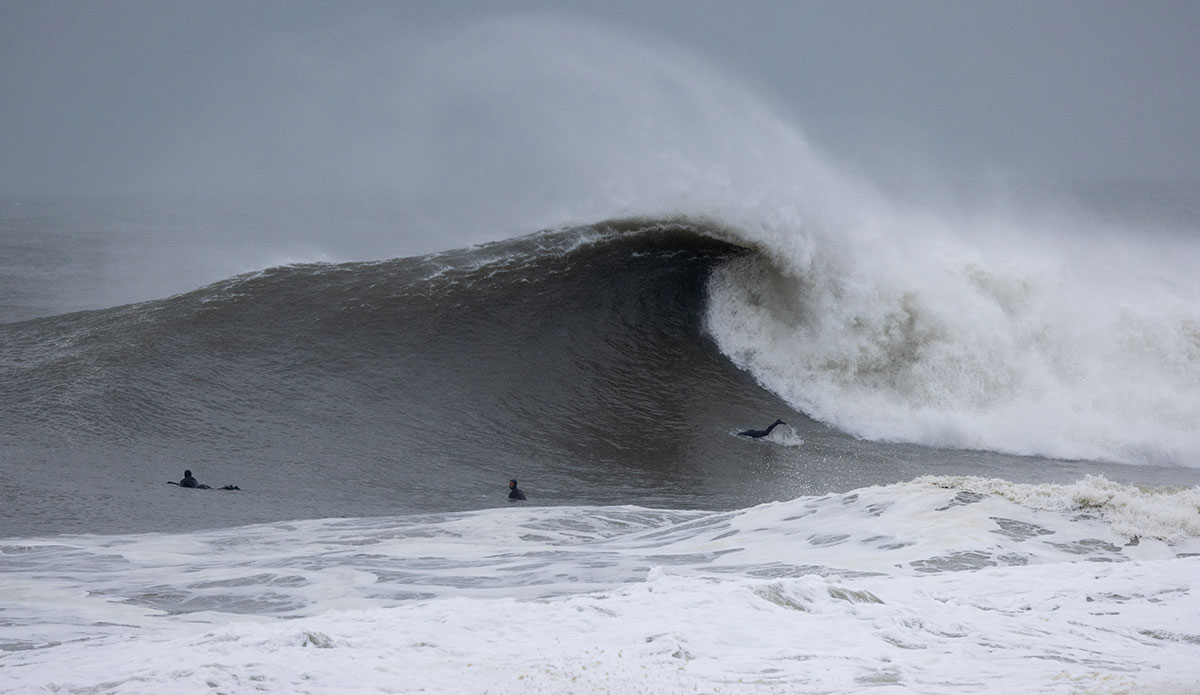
(234, 96)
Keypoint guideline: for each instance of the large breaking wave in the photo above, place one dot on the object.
(606, 341)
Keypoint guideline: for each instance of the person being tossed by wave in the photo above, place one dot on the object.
(189, 481)
(758, 434)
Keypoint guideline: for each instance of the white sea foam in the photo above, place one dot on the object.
(975, 334)
(939, 585)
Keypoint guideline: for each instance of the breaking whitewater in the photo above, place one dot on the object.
(939, 585)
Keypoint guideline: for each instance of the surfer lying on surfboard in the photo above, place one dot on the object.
(189, 481)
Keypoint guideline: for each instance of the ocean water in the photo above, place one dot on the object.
(989, 479)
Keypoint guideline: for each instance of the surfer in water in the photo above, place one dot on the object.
(189, 481)
(757, 434)
(514, 492)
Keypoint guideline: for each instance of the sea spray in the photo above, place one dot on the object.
(1040, 331)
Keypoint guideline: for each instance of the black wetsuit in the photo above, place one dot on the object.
(189, 481)
(514, 492)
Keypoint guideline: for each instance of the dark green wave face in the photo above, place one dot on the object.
(575, 361)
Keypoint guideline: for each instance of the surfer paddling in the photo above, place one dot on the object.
(190, 481)
(757, 434)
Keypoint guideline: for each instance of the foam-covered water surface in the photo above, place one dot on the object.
(937, 585)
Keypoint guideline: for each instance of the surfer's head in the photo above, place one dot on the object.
(187, 474)
(512, 483)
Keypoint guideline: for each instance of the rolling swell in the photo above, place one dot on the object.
(575, 359)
